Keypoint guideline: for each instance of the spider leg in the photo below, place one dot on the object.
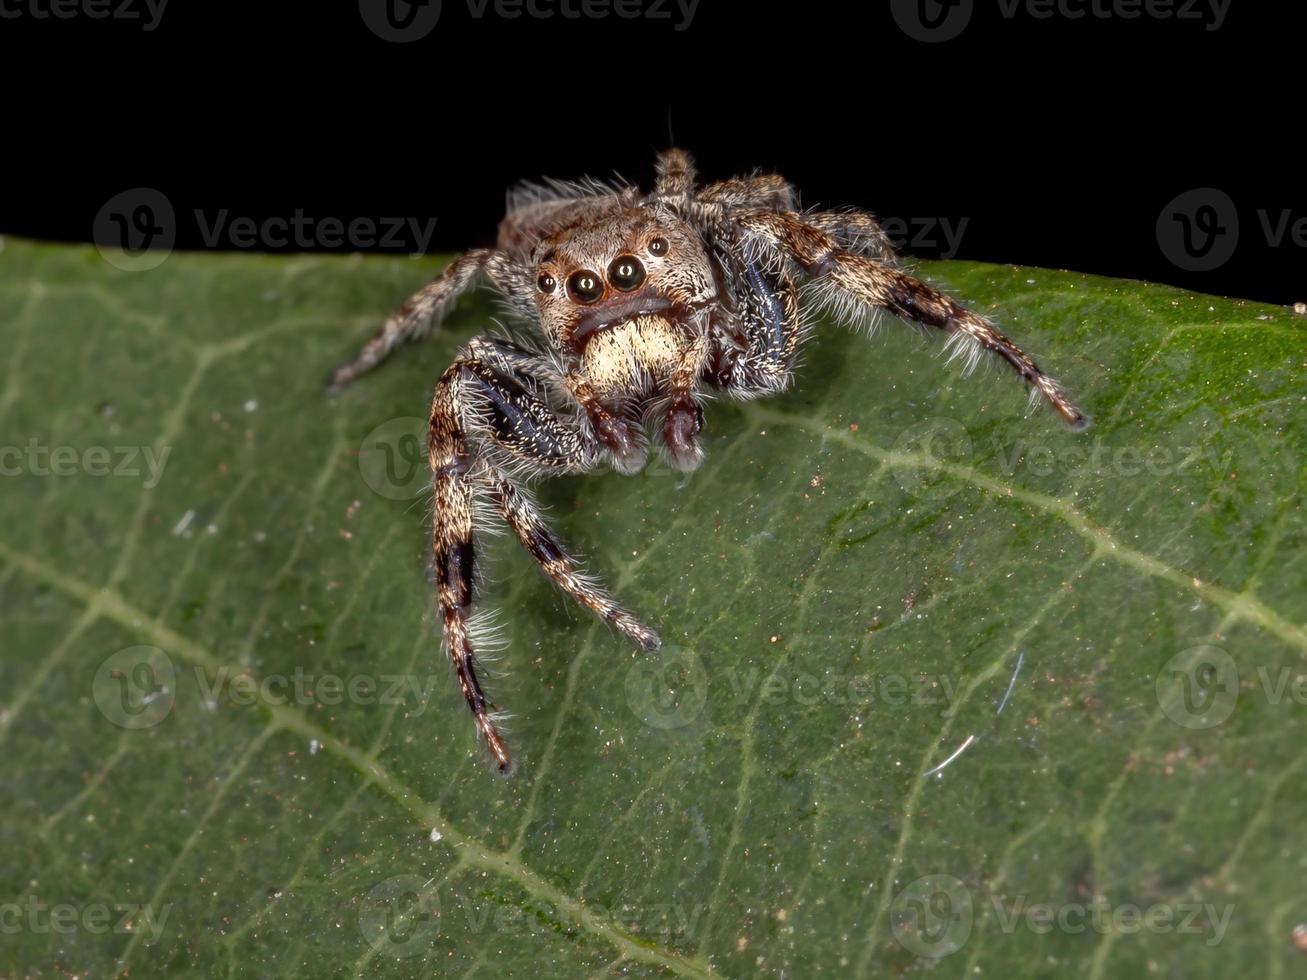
(684, 418)
(487, 416)
(756, 191)
(536, 211)
(538, 538)
(856, 231)
(617, 432)
(766, 321)
(873, 285)
(675, 170)
(455, 553)
(415, 317)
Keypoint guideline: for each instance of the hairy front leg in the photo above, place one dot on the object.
(684, 419)
(535, 535)
(675, 181)
(767, 318)
(454, 551)
(856, 231)
(615, 432)
(756, 191)
(489, 417)
(873, 285)
(430, 303)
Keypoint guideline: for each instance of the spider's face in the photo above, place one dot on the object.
(635, 263)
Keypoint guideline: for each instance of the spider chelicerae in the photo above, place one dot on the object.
(640, 303)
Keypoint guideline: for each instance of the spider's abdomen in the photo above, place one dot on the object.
(631, 358)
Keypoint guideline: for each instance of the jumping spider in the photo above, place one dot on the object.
(639, 302)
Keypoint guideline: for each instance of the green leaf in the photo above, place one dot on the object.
(201, 718)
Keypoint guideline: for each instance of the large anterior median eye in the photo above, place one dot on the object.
(626, 273)
(585, 287)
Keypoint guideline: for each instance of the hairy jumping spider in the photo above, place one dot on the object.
(640, 301)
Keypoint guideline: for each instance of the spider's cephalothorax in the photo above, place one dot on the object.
(641, 302)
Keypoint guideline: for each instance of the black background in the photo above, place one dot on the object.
(1059, 140)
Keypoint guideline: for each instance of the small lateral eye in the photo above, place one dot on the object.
(658, 246)
(585, 287)
(546, 283)
(626, 273)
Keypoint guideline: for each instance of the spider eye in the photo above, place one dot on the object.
(626, 273)
(658, 246)
(546, 283)
(585, 287)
